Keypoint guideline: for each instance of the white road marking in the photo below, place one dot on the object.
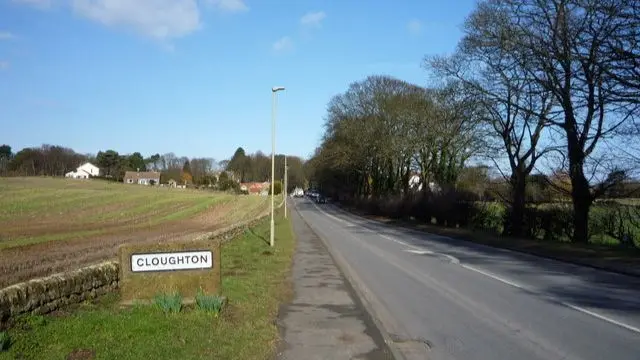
(421, 251)
(453, 259)
(569, 305)
(601, 317)
(495, 277)
(401, 242)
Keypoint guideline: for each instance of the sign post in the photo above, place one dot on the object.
(147, 270)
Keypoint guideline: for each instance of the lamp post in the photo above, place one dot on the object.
(274, 104)
(285, 186)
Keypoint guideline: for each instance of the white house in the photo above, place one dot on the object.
(415, 184)
(84, 171)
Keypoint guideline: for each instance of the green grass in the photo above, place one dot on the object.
(253, 280)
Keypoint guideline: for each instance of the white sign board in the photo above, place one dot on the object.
(184, 260)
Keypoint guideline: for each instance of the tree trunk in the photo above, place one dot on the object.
(581, 196)
(515, 222)
(580, 193)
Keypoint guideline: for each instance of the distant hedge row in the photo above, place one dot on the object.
(610, 222)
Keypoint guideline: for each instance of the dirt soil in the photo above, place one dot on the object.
(27, 262)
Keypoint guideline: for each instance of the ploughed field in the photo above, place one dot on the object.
(48, 225)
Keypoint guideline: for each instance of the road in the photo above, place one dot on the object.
(469, 301)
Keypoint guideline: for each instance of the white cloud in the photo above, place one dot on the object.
(40, 4)
(4, 65)
(414, 26)
(159, 19)
(283, 44)
(313, 18)
(5, 35)
(229, 5)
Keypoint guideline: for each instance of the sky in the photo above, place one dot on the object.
(194, 77)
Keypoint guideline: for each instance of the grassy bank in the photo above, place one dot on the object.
(254, 278)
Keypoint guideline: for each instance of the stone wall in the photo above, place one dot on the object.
(40, 296)
(44, 295)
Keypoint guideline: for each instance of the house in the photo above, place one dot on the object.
(415, 183)
(255, 187)
(84, 171)
(142, 177)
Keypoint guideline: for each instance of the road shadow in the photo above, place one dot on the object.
(551, 280)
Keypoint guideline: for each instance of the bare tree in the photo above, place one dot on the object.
(515, 110)
(562, 46)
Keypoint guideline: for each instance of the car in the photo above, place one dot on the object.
(321, 199)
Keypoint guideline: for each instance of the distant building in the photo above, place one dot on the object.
(84, 171)
(254, 187)
(142, 177)
(416, 183)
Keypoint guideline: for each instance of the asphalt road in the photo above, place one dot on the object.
(469, 301)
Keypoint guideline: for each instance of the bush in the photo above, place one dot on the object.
(488, 216)
(612, 220)
(5, 341)
(228, 185)
(210, 303)
(550, 222)
(277, 189)
(169, 303)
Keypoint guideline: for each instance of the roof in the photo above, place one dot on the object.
(78, 171)
(141, 175)
(253, 187)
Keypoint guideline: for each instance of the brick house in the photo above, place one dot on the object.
(254, 187)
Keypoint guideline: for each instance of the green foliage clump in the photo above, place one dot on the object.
(277, 188)
(488, 216)
(169, 303)
(210, 303)
(5, 341)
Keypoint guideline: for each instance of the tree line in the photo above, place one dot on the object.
(533, 84)
(54, 160)
(257, 168)
(195, 171)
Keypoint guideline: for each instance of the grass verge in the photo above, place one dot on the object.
(624, 261)
(254, 280)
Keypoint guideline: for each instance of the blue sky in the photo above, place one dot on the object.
(194, 77)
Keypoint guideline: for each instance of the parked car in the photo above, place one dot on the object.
(298, 192)
(321, 199)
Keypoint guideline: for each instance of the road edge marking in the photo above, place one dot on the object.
(601, 317)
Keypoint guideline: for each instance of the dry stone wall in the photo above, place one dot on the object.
(40, 296)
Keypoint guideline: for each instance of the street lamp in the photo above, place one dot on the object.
(286, 167)
(274, 104)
